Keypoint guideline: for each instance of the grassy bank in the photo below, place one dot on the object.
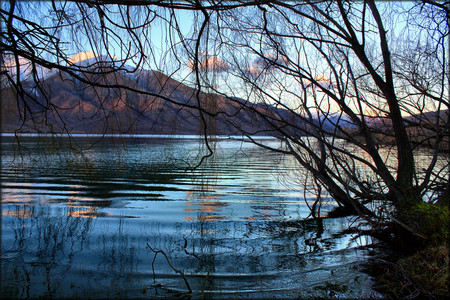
(423, 274)
(417, 267)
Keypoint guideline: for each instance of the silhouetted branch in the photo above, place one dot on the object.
(170, 265)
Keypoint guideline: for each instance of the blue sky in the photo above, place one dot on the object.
(160, 38)
(76, 41)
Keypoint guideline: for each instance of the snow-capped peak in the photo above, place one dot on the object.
(81, 56)
(25, 68)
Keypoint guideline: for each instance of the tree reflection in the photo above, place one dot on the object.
(40, 251)
(53, 252)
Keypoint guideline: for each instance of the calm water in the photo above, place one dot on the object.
(78, 225)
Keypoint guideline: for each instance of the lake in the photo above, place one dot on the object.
(77, 223)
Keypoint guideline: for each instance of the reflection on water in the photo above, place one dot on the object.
(77, 226)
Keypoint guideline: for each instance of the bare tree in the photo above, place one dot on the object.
(352, 89)
(334, 66)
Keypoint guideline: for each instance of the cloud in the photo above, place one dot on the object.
(321, 78)
(253, 71)
(212, 63)
(270, 59)
(320, 81)
(266, 63)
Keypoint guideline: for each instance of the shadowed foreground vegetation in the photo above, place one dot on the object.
(423, 274)
(418, 268)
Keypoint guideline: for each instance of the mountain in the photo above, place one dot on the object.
(24, 67)
(163, 105)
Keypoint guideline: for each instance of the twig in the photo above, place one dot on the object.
(203, 285)
(170, 264)
(193, 253)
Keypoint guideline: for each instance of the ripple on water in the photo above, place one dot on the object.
(72, 228)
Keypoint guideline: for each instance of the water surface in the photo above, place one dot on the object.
(78, 225)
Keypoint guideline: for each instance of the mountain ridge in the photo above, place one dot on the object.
(162, 105)
(154, 103)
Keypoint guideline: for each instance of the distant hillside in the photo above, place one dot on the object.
(80, 108)
(420, 127)
(163, 106)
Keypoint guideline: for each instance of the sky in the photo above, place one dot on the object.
(74, 42)
(160, 40)
(159, 35)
